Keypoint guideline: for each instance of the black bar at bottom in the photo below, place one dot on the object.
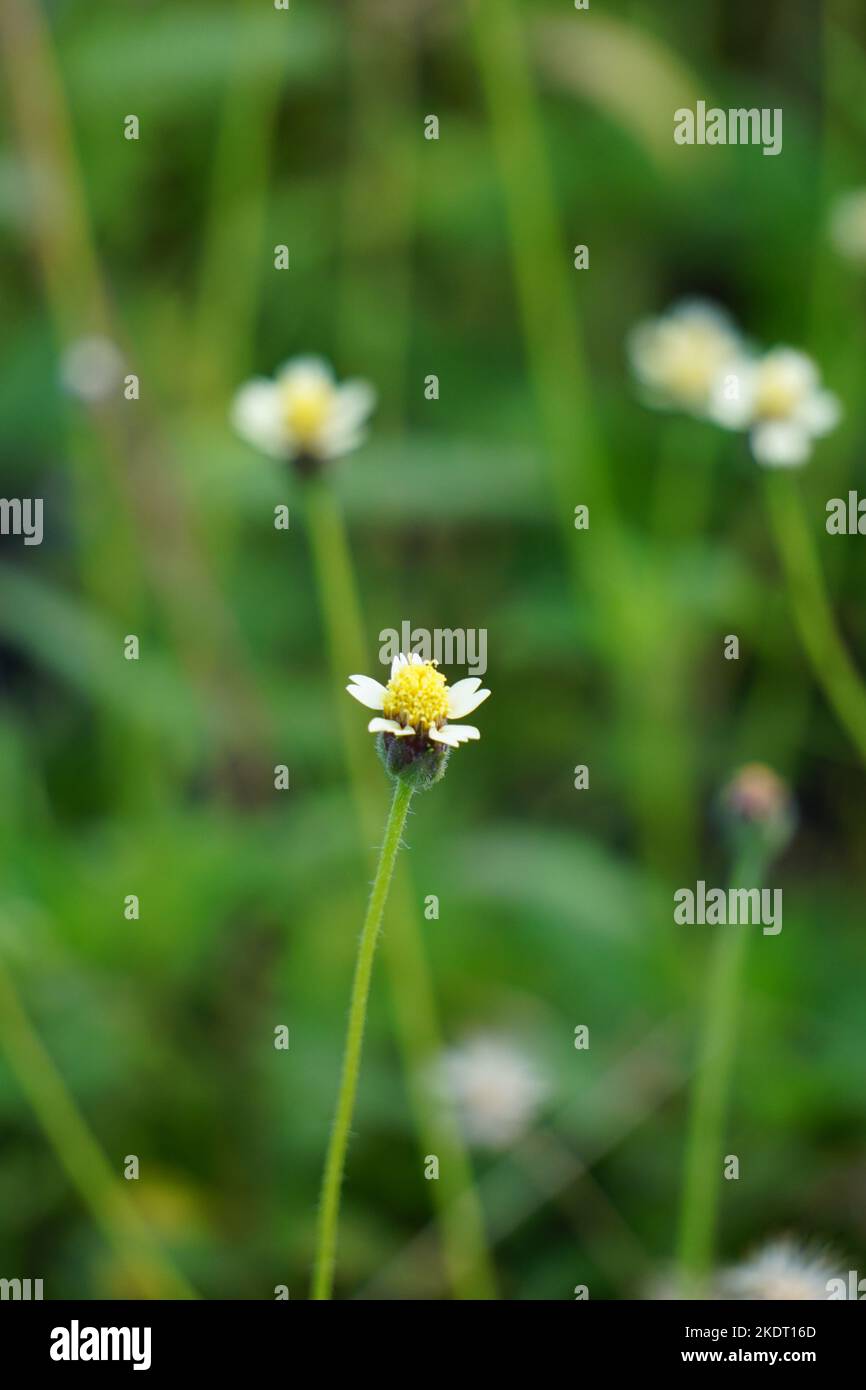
(82, 1339)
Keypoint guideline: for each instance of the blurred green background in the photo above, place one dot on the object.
(409, 257)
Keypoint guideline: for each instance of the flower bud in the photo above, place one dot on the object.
(758, 802)
(414, 760)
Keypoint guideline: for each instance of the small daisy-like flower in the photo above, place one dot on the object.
(781, 1270)
(495, 1087)
(678, 357)
(848, 226)
(91, 369)
(303, 414)
(417, 704)
(780, 400)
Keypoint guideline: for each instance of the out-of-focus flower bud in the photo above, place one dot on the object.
(758, 802)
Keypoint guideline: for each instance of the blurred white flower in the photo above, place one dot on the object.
(665, 1285)
(494, 1086)
(678, 357)
(848, 226)
(302, 413)
(91, 368)
(780, 400)
(783, 1269)
(417, 702)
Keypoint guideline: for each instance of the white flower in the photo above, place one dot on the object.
(781, 1270)
(494, 1086)
(302, 413)
(779, 399)
(91, 368)
(418, 701)
(848, 226)
(678, 357)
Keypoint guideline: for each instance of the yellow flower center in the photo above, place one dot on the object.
(689, 359)
(306, 410)
(417, 695)
(690, 373)
(777, 395)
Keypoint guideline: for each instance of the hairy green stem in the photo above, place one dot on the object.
(329, 1211)
(458, 1209)
(716, 1050)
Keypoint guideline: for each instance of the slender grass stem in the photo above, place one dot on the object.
(326, 1245)
(683, 487)
(458, 1210)
(80, 1154)
(335, 578)
(380, 202)
(601, 560)
(135, 527)
(231, 257)
(831, 664)
(668, 738)
(546, 291)
(716, 1050)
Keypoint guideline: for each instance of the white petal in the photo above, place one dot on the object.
(353, 403)
(255, 414)
(704, 313)
(795, 368)
(732, 396)
(820, 412)
(412, 659)
(344, 429)
(389, 726)
(454, 734)
(469, 685)
(462, 732)
(332, 444)
(640, 343)
(464, 697)
(443, 735)
(305, 372)
(780, 445)
(367, 691)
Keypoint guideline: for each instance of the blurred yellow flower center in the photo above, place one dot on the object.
(690, 359)
(417, 695)
(777, 395)
(305, 411)
(690, 373)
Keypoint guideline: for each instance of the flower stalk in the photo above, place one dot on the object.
(759, 820)
(329, 1211)
(305, 418)
(459, 1214)
(716, 1050)
(831, 664)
